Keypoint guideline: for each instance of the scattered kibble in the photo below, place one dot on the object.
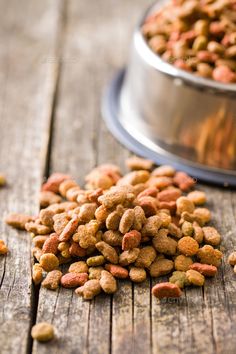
(42, 332)
(232, 260)
(196, 36)
(147, 222)
(3, 180)
(3, 248)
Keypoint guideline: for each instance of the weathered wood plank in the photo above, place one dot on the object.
(26, 88)
(142, 326)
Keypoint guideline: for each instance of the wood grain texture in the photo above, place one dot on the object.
(55, 61)
(26, 89)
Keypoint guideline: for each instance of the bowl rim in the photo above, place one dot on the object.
(156, 62)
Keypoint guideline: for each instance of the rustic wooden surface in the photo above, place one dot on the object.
(55, 60)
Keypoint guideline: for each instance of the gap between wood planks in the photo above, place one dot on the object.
(45, 165)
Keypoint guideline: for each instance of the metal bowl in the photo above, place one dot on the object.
(177, 115)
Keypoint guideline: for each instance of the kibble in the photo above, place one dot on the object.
(195, 278)
(49, 261)
(3, 248)
(145, 223)
(42, 332)
(232, 258)
(3, 180)
(194, 37)
(52, 280)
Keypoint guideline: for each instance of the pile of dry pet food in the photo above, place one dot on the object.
(149, 221)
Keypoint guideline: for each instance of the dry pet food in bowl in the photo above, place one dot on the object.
(176, 101)
(196, 36)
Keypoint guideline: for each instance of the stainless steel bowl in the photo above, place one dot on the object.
(175, 114)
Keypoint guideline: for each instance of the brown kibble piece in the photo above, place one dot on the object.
(60, 222)
(37, 229)
(108, 282)
(211, 236)
(195, 278)
(126, 221)
(52, 280)
(87, 212)
(37, 273)
(184, 204)
(48, 198)
(134, 178)
(151, 226)
(39, 240)
(202, 215)
(46, 217)
(85, 236)
(232, 258)
(161, 266)
(42, 332)
(188, 246)
(78, 267)
(113, 197)
(76, 251)
(182, 263)
(128, 257)
(101, 213)
(90, 289)
(49, 261)
(164, 170)
(137, 275)
(3, 180)
(18, 221)
(146, 257)
(131, 240)
(108, 252)
(65, 186)
(209, 255)
(164, 244)
(113, 220)
(197, 232)
(137, 163)
(112, 237)
(187, 228)
(197, 197)
(139, 218)
(166, 290)
(3, 248)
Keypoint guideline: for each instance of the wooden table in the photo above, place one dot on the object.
(55, 59)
